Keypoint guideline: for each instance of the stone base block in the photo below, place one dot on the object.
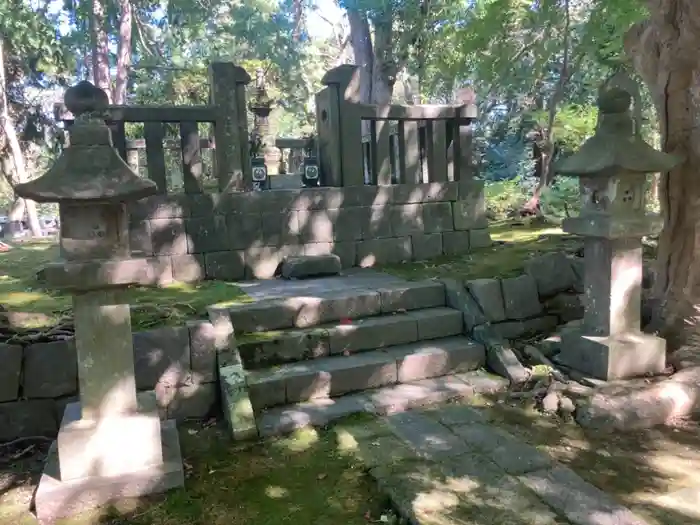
(620, 357)
(55, 498)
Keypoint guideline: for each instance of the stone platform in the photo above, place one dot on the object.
(56, 499)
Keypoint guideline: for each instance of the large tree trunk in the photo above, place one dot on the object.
(123, 52)
(100, 47)
(664, 52)
(384, 72)
(361, 42)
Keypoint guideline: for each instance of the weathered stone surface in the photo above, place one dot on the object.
(244, 229)
(452, 415)
(580, 502)
(265, 389)
(517, 329)
(456, 242)
(399, 398)
(483, 382)
(389, 250)
(469, 214)
(207, 234)
(412, 296)
(488, 295)
(161, 355)
(552, 272)
(351, 304)
(225, 266)
(479, 239)
(428, 359)
(206, 341)
(426, 246)
(50, 370)
(520, 297)
(261, 316)
(285, 347)
(427, 437)
(307, 266)
(438, 322)
(188, 268)
(235, 401)
(578, 267)
(379, 450)
(406, 219)
(168, 236)
(459, 298)
(437, 217)
(192, 399)
(317, 413)
(567, 307)
(33, 417)
(502, 359)
(10, 371)
(373, 332)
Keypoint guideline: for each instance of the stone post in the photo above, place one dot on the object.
(261, 107)
(612, 167)
(109, 445)
(233, 169)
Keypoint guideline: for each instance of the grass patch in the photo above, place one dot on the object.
(304, 478)
(150, 307)
(514, 243)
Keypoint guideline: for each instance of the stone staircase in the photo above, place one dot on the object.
(305, 360)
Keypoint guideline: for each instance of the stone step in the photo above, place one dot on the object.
(335, 376)
(381, 401)
(313, 310)
(281, 347)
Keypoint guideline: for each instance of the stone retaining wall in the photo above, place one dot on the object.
(246, 235)
(548, 294)
(38, 380)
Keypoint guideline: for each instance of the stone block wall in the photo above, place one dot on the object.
(38, 380)
(548, 294)
(246, 235)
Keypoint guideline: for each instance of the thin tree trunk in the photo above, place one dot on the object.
(361, 42)
(664, 52)
(17, 156)
(546, 175)
(100, 48)
(123, 52)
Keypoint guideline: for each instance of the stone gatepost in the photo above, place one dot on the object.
(612, 167)
(110, 445)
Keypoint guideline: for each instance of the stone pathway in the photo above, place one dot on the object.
(448, 465)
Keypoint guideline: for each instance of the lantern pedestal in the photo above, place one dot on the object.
(610, 344)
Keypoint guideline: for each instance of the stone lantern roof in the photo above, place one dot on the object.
(615, 145)
(90, 169)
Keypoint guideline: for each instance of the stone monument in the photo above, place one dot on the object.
(110, 445)
(612, 167)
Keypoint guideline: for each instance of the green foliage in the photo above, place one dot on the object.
(573, 124)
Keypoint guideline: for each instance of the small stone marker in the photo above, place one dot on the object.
(612, 166)
(109, 445)
(308, 266)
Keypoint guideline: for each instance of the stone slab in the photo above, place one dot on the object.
(412, 296)
(161, 355)
(31, 417)
(459, 298)
(552, 273)
(621, 357)
(483, 382)
(488, 295)
(373, 332)
(426, 392)
(438, 322)
(50, 370)
(236, 404)
(10, 372)
(307, 266)
(520, 297)
(501, 358)
(317, 413)
(427, 437)
(349, 304)
(207, 340)
(55, 498)
(580, 502)
(438, 357)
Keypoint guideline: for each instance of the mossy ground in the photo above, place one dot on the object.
(151, 307)
(305, 478)
(515, 242)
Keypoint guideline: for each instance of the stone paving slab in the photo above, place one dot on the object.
(429, 439)
(582, 503)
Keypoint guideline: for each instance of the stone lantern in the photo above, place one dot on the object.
(612, 167)
(110, 445)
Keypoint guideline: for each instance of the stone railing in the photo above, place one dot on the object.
(246, 235)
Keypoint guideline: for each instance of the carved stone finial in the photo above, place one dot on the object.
(84, 97)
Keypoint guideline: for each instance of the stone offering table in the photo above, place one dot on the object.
(110, 445)
(612, 166)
